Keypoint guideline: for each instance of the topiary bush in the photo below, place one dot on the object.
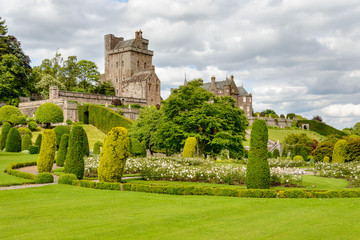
(290, 115)
(44, 177)
(13, 141)
(4, 132)
(59, 131)
(353, 150)
(74, 162)
(298, 158)
(83, 113)
(97, 146)
(113, 156)
(339, 152)
(67, 178)
(32, 126)
(276, 153)
(86, 145)
(7, 111)
(68, 122)
(300, 150)
(326, 160)
(258, 170)
(324, 149)
(61, 154)
(48, 113)
(26, 143)
(38, 140)
(46, 156)
(25, 131)
(33, 149)
(189, 147)
(137, 148)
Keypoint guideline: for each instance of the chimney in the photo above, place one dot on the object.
(138, 34)
(232, 77)
(213, 79)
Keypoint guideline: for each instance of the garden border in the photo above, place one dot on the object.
(11, 170)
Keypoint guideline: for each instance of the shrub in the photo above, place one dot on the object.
(116, 102)
(284, 153)
(59, 131)
(74, 162)
(68, 122)
(24, 131)
(326, 160)
(290, 115)
(321, 128)
(298, 158)
(105, 119)
(135, 105)
(137, 148)
(113, 156)
(7, 111)
(44, 177)
(46, 156)
(324, 149)
(4, 132)
(189, 148)
(48, 113)
(83, 113)
(33, 149)
(32, 126)
(269, 155)
(282, 116)
(17, 120)
(86, 145)
(11, 169)
(339, 152)
(353, 150)
(300, 150)
(13, 141)
(61, 154)
(276, 153)
(38, 140)
(258, 171)
(97, 146)
(67, 178)
(26, 143)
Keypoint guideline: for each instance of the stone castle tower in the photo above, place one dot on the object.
(128, 64)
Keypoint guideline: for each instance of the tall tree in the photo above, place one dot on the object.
(88, 74)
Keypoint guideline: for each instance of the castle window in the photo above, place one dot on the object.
(138, 64)
(157, 88)
(117, 91)
(244, 99)
(149, 87)
(247, 109)
(144, 64)
(249, 99)
(227, 90)
(117, 64)
(122, 63)
(117, 80)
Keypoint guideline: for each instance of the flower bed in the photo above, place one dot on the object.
(350, 171)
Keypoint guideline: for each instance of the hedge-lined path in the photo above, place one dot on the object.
(24, 186)
(33, 170)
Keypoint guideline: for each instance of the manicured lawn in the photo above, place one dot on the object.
(68, 212)
(316, 182)
(276, 134)
(8, 158)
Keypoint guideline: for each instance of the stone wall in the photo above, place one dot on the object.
(280, 122)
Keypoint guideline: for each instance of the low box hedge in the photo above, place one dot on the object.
(11, 169)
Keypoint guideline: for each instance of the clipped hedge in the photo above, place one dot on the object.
(105, 118)
(7, 111)
(11, 169)
(189, 147)
(26, 142)
(83, 113)
(25, 131)
(4, 132)
(38, 140)
(321, 128)
(86, 145)
(97, 146)
(113, 156)
(48, 113)
(44, 177)
(61, 154)
(32, 126)
(46, 156)
(217, 191)
(13, 141)
(59, 131)
(34, 149)
(298, 158)
(74, 162)
(67, 178)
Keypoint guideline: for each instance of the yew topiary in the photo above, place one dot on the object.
(189, 147)
(59, 131)
(339, 152)
(61, 154)
(13, 141)
(113, 156)
(48, 113)
(258, 170)
(46, 156)
(38, 140)
(67, 178)
(97, 146)
(326, 160)
(298, 158)
(7, 111)
(44, 177)
(24, 131)
(74, 162)
(4, 132)
(86, 145)
(26, 142)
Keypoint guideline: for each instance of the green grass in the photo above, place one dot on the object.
(8, 158)
(316, 182)
(68, 212)
(277, 134)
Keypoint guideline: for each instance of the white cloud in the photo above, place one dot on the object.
(342, 110)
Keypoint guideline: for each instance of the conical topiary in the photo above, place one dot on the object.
(189, 147)
(13, 141)
(258, 170)
(46, 156)
(61, 154)
(97, 146)
(59, 131)
(86, 145)
(74, 162)
(38, 140)
(113, 156)
(4, 132)
(26, 142)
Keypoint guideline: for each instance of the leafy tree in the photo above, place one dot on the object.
(46, 82)
(353, 150)
(7, 112)
(356, 129)
(87, 73)
(324, 149)
(137, 148)
(105, 88)
(69, 72)
(317, 118)
(300, 142)
(48, 113)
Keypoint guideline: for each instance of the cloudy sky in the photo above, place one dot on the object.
(297, 56)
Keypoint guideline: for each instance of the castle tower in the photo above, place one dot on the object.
(128, 64)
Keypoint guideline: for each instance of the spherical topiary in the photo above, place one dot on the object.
(339, 152)
(68, 122)
(61, 154)
(26, 142)
(276, 153)
(298, 158)
(137, 149)
(258, 170)
(67, 178)
(4, 132)
(326, 160)
(7, 111)
(24, 131)
(74, 162)
(33, 149)
(13, 141)
(32, 126)
(46, 156)
(189, 147)
(113, 156)
(48, 113)
(97, 146)
(59, 131)
(86, 145)
(44, 177)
